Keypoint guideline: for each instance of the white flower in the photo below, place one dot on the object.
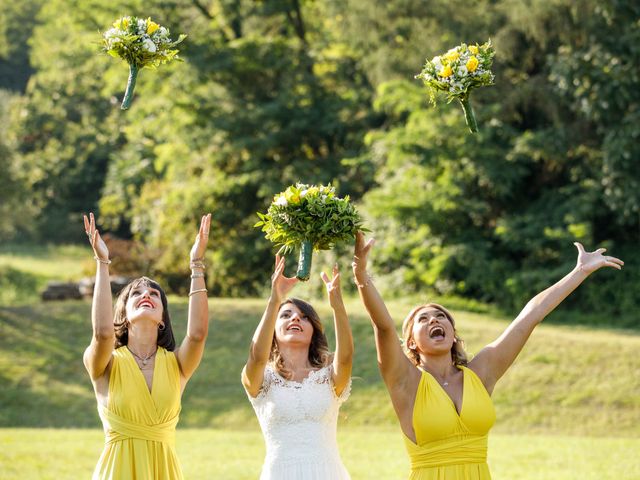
(149, 45)
(303, 193)
(437, 62)
(324, 198)
(112, 33)
(142, 26)
(281, 201)
(462, 71)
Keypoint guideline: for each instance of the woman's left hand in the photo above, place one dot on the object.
(333, 285)
(589, 262)
(200, 243)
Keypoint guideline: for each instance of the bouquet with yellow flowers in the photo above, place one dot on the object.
(141, 43)
(309, 217)
(457, 73)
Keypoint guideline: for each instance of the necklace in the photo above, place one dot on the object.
(145, 359)
(444, 383)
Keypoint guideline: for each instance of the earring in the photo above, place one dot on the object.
(161, 327)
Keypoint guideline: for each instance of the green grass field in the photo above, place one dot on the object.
(368, 453)
(568, 409)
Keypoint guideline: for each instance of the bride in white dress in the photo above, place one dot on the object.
(296, 386)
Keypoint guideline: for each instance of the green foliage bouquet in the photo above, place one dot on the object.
(457, 73)
(141, 43)
(309, 217)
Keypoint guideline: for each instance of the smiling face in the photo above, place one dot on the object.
(293, 325)
(144, 302)
(430, 330)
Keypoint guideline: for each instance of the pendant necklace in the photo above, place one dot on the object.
(145, 359)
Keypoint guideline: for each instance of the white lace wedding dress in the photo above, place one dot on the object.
(298, 421)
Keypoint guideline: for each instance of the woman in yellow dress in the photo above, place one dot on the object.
(442, 400)
(137, 372)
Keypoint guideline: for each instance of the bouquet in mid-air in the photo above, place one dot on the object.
(141, 43)
(309, 217)
(457, 73)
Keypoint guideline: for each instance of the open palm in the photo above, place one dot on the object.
(589, 262)
(281, 285)
(100, 249)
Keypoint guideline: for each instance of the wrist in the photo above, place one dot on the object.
(102, 260)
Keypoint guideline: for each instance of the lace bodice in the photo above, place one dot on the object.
(299, 419)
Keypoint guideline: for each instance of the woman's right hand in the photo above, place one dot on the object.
(100, 249)
(360, 256)
(281, 285)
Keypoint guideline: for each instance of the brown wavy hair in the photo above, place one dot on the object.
(458, 354)
(319, 355)
(166, 338)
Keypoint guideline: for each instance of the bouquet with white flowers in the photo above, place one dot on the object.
(141, 43)
(309, 217)
(457, 73)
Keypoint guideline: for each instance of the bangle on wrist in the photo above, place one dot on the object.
(193, 265)
(106, 262)
(197, 291)
(197, 274)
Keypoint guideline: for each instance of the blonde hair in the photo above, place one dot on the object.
(319, 355)
(458, 354)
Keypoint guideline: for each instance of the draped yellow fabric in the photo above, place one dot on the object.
(450, 445)
(140, 424)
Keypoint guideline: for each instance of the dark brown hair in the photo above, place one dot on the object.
(319, 355)
(121, 323)
(458, 354)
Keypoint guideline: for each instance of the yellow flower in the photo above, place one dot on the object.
(473, 49)
(151, 26)
(446, 71)
(292, 195)
(452, 55)
(121, 23)
(472, 64)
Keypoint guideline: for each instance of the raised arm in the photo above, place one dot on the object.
(394, 365)
(494, 360)
(98, 354)
(343, 358)
(253, 372)
(190, 351)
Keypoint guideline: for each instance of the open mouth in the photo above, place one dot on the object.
(294, 328)
(145, 304)
(436, 332)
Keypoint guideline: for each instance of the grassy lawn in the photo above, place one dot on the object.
(567, 381)
(568, 409)
(368, 453)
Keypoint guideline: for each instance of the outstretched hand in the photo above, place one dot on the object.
(100, 249)
(200, 243)
(360, 255)
(281, 285)
(333, 285)
(589, 262)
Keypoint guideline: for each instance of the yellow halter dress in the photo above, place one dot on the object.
(450, 445)
(140, 424)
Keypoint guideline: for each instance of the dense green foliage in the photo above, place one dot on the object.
(276, 92)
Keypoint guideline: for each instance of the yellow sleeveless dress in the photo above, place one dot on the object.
(140, 425)
(450, 446)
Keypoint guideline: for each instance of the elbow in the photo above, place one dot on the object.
(104, 335)
(198, 336)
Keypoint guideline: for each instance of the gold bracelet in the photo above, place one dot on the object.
(193, 265)
(197, 291)
(362, 285)
(106, 262)
(197, 274)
